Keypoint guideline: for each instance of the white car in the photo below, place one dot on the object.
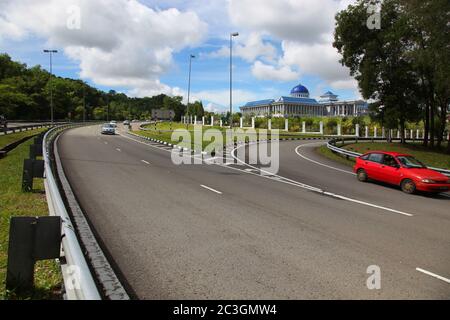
(113, 123)
(108, 128)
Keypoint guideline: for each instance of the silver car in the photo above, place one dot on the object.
(108, 128)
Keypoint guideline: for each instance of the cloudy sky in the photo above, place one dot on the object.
(142, 47)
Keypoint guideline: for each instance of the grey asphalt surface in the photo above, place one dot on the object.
(260, 238)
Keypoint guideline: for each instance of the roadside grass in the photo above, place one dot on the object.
(430, 157)
(163, 132)
(13, 137)
(13, 202)
(323, 150)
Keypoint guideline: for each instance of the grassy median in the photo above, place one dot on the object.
(13, 202)
(430, 157)
(163, 131)
(13, 137)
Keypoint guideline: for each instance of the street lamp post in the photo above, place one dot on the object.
(50, 52)
(235, 34)
(189, 85)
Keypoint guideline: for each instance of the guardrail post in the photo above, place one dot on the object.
(30, 239)
(35, 150)
(31, 169)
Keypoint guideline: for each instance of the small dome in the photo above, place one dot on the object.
(299, 89)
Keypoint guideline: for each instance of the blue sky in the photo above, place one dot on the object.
(142, 47)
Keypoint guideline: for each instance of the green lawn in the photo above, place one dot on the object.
(163, 132)
(15, 203)
(323, 150)
(432, 158)
(13, 137)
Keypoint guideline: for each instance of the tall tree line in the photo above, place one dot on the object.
(25, 95)
(403, 66)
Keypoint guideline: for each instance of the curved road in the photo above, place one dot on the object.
(225, 232)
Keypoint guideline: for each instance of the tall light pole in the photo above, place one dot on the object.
(235, 34)
(84, 102)
(50, 52)
(189, 84)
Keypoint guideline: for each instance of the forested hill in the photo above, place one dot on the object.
(25, 94)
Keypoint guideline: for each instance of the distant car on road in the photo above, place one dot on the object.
(126, 123)
(113, 123)
(108, 128)
(402, 170)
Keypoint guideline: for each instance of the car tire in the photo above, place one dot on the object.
(408, 186)
(361, 174)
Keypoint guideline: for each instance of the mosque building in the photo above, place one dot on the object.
(299, 104)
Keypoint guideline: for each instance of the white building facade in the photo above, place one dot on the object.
(299, 104)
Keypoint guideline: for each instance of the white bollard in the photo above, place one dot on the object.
(195, 119)
(357, 130)
(241, 122)
(417, 134)
(253, 122)
(367, 132)
(375, 131)
(339, 129)
(212, 121)
(203, 121)
(304, 127)
(321, 127)
(269, 124)
(383, 133)
(221, 123)
(286, 125)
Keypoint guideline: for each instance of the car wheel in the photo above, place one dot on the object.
(408, 186)
(362, 175)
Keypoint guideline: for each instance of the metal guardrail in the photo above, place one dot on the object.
(9, 130)
(78, 281)
(350, 154)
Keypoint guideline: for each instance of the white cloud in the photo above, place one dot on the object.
(120, 43)
(248, 48)
(305, 29)
(263, 71)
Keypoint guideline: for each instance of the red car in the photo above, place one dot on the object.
(402, 170)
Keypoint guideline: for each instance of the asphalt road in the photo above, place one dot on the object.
(226, 232)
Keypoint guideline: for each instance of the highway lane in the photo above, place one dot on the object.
(204, 231)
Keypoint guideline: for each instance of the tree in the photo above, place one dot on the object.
(378, 59)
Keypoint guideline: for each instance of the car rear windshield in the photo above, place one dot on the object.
(107, 125)
(410, 162)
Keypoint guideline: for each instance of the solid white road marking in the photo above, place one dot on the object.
(433, 275)
(146, 162)
(210, 189)
(317, 162)
(308, 187)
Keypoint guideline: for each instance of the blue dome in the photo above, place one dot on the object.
(299, 89)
